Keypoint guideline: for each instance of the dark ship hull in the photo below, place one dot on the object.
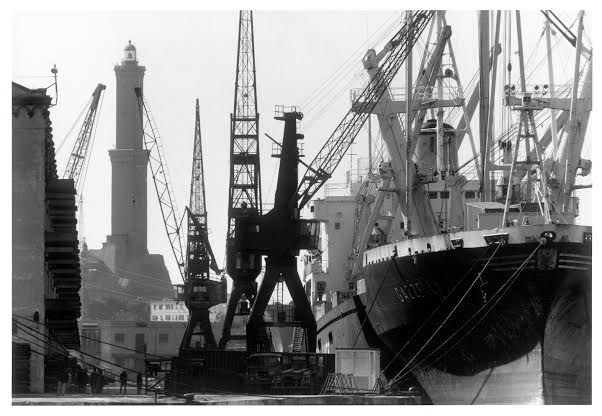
(473, 321)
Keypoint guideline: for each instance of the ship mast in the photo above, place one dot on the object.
(409, 163)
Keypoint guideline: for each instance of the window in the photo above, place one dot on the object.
(469, 195)
(160, 307)
(432, 195)
(119, 338)
(337, 225)
(330, 337)
(445, 195)
(312, 209)
(163, 338)
(140, 343)
(154, 307)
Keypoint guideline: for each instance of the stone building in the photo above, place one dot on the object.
(46, 271)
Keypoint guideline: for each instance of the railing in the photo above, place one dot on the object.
(279, 316)
(336, 189)
(280, 109)
(420, 94)
(539, 92)
(315, 267)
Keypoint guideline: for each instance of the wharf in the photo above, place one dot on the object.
(211, 399)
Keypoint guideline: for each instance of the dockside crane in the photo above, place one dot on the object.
(79, 154)
(199, 291)
(162, 182)
(280, 234)
(245, 177)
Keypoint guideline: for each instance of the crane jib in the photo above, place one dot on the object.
(335, 148)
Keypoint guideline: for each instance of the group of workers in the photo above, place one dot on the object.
(96, 381)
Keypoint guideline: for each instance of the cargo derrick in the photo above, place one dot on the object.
(245, 180)
(199, 292)
(332, 152)
(391, 58)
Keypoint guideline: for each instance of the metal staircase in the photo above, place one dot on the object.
(298, 337)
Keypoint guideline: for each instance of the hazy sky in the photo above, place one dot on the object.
(193, 54)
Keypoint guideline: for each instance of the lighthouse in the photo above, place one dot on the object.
(125, 251)
(129, 159)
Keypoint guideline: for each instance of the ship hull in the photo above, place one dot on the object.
(478, 323)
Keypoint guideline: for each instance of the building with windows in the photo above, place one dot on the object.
(128, 343)
(172, 311)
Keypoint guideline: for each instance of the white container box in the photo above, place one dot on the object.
(363, 365)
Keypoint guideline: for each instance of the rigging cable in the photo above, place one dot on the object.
(375, 296)
(505, 287)
(426, 321)
(500, 244)
(85, 337)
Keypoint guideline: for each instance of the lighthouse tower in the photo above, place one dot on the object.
(129, 159)
(125, 252)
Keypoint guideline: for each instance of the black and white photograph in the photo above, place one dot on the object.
(308, 204)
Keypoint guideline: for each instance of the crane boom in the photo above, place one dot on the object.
(199, 292)
(331, 154)
(163, 186)
(244, 198)
(197, 180)
(199, 255)
(79, 153)
(245, 179)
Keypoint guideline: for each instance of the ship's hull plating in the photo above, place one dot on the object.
(469, 328)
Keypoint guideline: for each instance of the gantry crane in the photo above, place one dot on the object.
(199, 291)
(281, 234)
(245, 179)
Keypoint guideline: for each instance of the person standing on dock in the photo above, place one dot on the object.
(62, 382)
(139, 384)
(100, 382)
(123, 379)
